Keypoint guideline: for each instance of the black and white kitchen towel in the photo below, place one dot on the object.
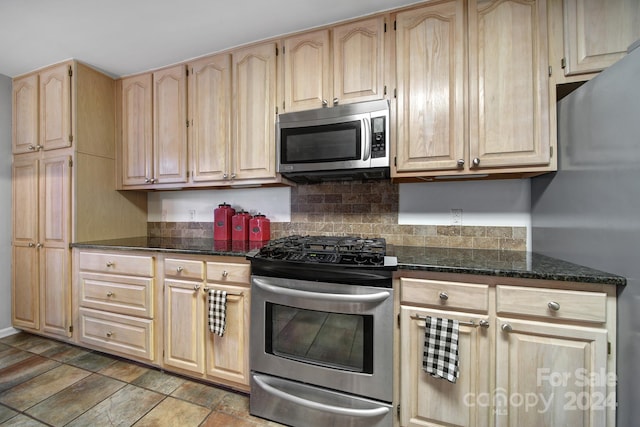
(440, 355)
(217, 311)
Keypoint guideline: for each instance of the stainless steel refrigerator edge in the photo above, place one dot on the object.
(589, 211)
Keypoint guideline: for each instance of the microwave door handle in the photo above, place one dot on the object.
(367, 138)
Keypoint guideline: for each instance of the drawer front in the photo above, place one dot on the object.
(135, 265)
(117, 294)
(184, 269)
(124, 334)
(228, 272)
(552, 303)
(449, 295)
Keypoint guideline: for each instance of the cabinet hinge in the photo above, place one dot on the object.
(276, 110)
(550, 70)
(187, 70)
(608, 347)
(187, 123)
(398, 411)
(277, 50)
(70, 71)
(385, 27)
(394, 25)
(398, 320)
(551, 151)
(385, 89)
(71, 329)
(563, 62)
(70, 163)
(395, 92)
(70, 138)
(395, 161)
(187, 174)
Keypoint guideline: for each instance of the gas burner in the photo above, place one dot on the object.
(345, 250)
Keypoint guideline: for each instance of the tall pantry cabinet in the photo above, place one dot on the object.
(63, 181)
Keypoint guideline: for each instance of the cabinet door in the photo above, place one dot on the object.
(430, 58)
(228, 355)
(429, 401)
(55, 255)
(170, 125)
(184, 325)
(25, 291)
(25, 114)
(509, 91)
(55, 107)
(210, 121)
(552, 375)
(307, 71)
(254, 89)
(598, 33)
(358, 61)
(137, 132)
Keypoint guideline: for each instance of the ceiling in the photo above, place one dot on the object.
(123, 37)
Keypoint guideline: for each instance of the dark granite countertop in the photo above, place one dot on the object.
(517, 264)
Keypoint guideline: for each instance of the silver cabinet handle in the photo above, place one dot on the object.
(110, 263)
(476, 162)
(335, 101)
(196, 288)
(225, 176)
(233, 175)
(325, 103)
(225, 273)
(444, 296)
(484, 323)
(553, 306)
(460, 163)
(109, 334)
(110, 294)
(32, 245)
(39, 245)
(506, 327)
(179, 269)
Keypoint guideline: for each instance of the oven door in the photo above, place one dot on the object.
(330, 335)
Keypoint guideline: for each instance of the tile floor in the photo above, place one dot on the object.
(44, 382)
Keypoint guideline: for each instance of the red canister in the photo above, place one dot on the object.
(222, 222)
(259, 228)
(240, 226)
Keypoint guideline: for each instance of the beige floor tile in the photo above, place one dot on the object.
(21, 420)
(91, 361)
(218, 419)
(124, 371)
(123, 408)
(41, 387)
(12, 355)
(6, 413)
(200, 394)
(174, 412)
(24, 371)
(65, 352)
(68, 404)
(158, 381)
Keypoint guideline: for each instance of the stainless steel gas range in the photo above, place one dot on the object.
(322, 332)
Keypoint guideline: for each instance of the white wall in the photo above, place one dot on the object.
(5, 203)
(177, 206)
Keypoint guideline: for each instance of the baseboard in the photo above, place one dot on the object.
(8, 331)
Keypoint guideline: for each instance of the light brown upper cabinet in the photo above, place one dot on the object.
(339, 65)
(254, 112)
(598, 33)
(42, 118)
(154, 128)
(472, 89)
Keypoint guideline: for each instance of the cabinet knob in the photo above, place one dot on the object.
(325, 103)
(335, 101)
(109, 334)
(443, 296)
(225, 273)
(225, 176)
(553, 306)
(110, 294)
(32, 245)
(110, 264)
(460, 163)
(196, 288)
(148, 180)
(179, 270)
(506, 327)
(476, 162)
(233, 176)
(39, 245)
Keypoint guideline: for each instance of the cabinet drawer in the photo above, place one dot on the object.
(552, 303)
(184, 269)
(124, 334)
(228, 272)
(449, 295)
(117, 294)
(135, 265)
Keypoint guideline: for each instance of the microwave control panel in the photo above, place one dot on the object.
(378, 145)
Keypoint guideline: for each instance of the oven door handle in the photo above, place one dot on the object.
(362, 413)
(349, 298)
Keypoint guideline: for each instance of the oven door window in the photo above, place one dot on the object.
(324, 143)
(334, 340)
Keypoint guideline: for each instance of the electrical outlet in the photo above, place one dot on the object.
(192, 214)
(456, 216)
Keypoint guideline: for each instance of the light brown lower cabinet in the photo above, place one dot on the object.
(531, 353)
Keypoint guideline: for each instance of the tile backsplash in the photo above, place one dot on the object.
(363, 209)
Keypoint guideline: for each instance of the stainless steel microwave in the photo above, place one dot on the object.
(338, 143)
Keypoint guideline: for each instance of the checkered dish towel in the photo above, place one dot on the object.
(440, 356)
(217, 311)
